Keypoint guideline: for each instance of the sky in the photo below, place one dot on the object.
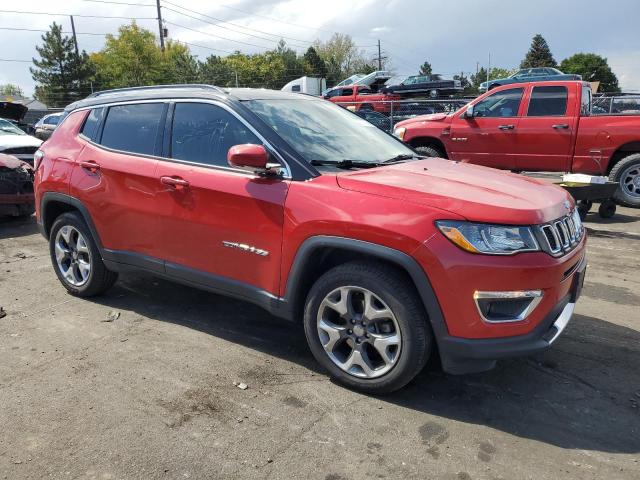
(453, 36)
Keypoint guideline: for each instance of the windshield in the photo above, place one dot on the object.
(8, 128)
(321, 131)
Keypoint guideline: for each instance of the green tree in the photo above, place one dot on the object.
(341, 56)
(293, 65)
(11, 89)
(130, 58)
(178, 65)
(425, 69)
(539, 54)
(478, 78)
(215, 70)
(498, 72)
(61, 76)
(313, 64)
(593, 68)
(467, 87)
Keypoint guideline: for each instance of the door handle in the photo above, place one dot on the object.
(506, 127)
(89, 165)
(560, 126)
(175, 182)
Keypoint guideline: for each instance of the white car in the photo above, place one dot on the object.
(47, 124)
(14, 141)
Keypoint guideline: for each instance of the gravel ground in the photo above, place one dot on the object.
(151, 394)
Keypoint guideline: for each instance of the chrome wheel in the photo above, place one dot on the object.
(72, 256)
(630, 180)
(359, 332)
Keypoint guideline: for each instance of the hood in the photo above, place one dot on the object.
(9, 161)
(433, 117)
(12, 110)
(477, 193)
(13, 141)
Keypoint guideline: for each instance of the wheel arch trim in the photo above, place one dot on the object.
(50, 197)
(418, 276)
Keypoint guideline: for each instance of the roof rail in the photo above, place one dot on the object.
(155, 87)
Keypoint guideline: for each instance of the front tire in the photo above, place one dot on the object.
(626, 173)
(367, 327)
(76, 258)
(430, 151)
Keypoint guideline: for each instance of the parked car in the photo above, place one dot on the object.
(433, 85)
(16, 187)
(380, 120)
(540, 74)
(14, 141)
(286, 201)
(46, 125)
(360, 97)
(537, 126)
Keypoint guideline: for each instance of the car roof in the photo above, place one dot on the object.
(189, 91)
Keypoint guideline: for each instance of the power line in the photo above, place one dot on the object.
(121, 3)
(215, 36)
(17, 29)
(75, 15)
(228, 23)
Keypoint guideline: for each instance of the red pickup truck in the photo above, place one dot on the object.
(537, 126)
(361, 97)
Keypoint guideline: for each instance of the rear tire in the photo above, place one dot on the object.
(367, 107)
(430, 151)
(607, 209)
(379, 307)
(626, 173)
(76, 258)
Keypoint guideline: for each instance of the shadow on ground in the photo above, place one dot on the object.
(12, 227)
(582, 394)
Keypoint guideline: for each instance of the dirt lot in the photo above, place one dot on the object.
(151, 394)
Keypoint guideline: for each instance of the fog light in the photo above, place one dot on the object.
(503, 307)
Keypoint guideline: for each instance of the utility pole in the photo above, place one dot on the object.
(75, 38)
(489, 70)
(379, 56)
(160, 29)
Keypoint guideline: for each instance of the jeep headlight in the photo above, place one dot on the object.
(489, 239)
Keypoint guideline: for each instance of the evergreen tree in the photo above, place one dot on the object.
(478, 78)
(539, 54)
(313, 64)
(62, 76)
(425, 69)
(593, 68)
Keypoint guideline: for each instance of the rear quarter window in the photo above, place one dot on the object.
(133, 128)
(90, 127)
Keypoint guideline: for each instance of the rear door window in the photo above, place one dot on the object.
(133, 128)
(204, 133)
(548, 101)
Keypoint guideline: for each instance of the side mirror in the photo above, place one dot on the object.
(469, 112)
(250, 156)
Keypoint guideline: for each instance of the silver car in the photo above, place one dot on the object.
(46, 125)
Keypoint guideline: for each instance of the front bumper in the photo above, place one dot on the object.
(464, 355)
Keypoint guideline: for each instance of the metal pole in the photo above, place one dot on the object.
(489, 70)
(160, 29)
(236, 79)
(75, 39)
(379, 56)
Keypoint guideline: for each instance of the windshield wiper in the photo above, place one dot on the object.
(402, 157)
(345, 163)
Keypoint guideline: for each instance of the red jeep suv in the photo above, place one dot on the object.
(301, 207)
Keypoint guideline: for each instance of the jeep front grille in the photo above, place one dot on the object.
(561, 235)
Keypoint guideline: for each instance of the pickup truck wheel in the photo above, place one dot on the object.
(76, 258)
(430, 151)
(626, 173)
(367, 327)
(367, 107)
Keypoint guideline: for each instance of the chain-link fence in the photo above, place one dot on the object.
(616, 105)
(386, 114)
